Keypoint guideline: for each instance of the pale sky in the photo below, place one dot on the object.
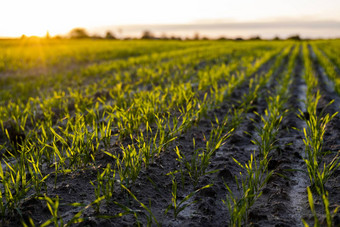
(35, 17)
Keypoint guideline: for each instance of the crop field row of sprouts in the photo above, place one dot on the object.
(169, 133)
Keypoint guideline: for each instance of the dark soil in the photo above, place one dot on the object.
(284, 199)
(283, 203)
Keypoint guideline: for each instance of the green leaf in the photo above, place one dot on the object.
(48, 222)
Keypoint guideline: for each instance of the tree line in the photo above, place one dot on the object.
(82, 33)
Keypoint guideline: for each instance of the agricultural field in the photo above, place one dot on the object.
(169, 133)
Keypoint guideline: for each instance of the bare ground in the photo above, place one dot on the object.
(284, 200)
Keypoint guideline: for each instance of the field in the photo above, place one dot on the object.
(169, 133)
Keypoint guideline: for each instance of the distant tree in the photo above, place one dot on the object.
(175, 38)
(294, 37)
(196, 36)
(96, 36)
(23, 36)
(238, 39)
(223, 38)
(255, 38)
(47, 36)
(109, 35)
(276, 38)
(57, 37)
(147, 35)
(78, 33)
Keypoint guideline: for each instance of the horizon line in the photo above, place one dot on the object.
(282, 28)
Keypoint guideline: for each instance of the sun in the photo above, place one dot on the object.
(34, 18)
(37, 26)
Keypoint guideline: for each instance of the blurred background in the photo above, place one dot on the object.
(189, 19)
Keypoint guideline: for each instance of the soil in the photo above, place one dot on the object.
(283, 202)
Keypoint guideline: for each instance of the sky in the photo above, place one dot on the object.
(314, 18)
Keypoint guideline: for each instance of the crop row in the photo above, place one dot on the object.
(39, 138)
(133, 110)
(319, 170)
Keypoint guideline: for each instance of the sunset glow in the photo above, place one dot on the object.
(58, 17)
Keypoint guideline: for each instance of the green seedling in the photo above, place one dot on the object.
(37, 178)
(314, 133)
(148, 209)
(179, 206)
(57, 220)
(198, 164)
(250, 188)
(105, 184)
(62, 119)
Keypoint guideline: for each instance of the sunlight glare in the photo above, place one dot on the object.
(36, 17)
